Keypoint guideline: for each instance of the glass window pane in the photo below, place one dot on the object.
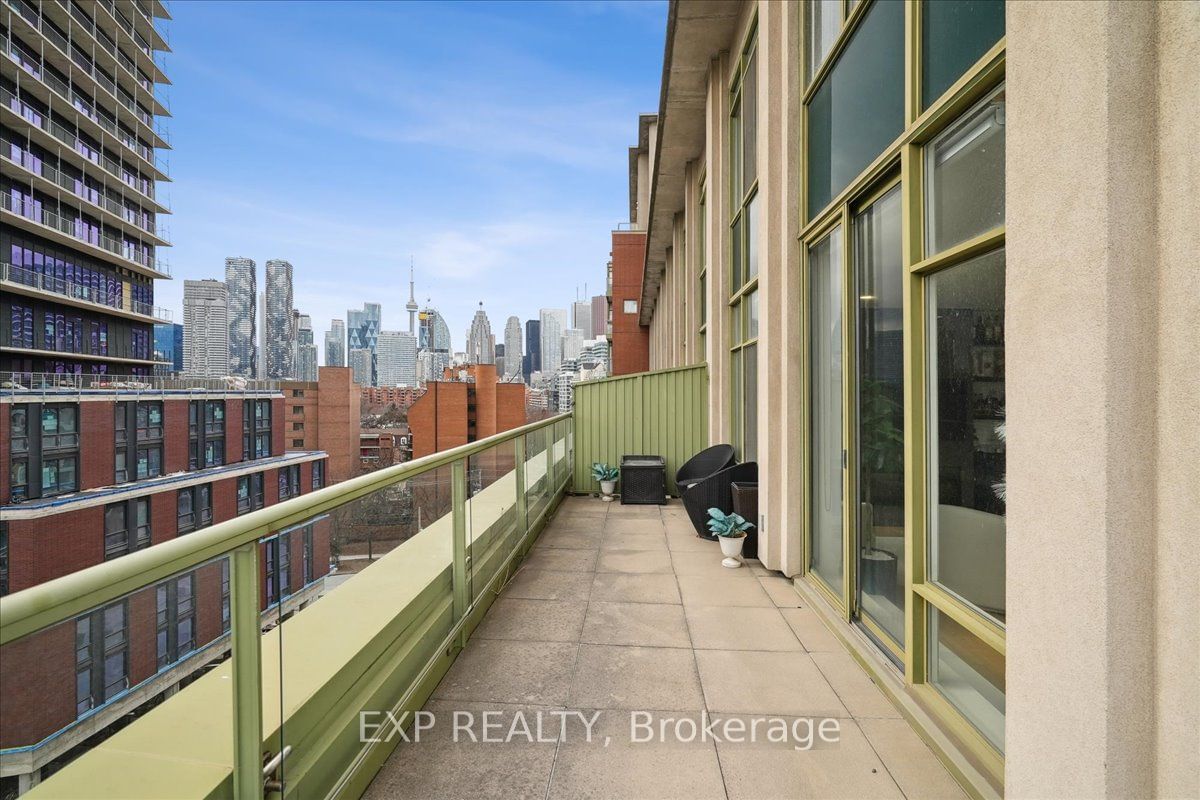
(969, 674)
(735, 422)
(750, 315)
(859, 109)
(825, 404)
(749, 124)
(879, 272)
(822, 23)
(964, 183)
(735, 261)
(750, 404)
(953, 37)
(752, 238)
(965, 341)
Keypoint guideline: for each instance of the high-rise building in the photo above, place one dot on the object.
(531, 361)
(335, 344)
(599, 316)
(278, 322)
(581, 317)
(433, 345)
(323, 414)
(81, 212)
(512, 348)
(168, 346)
(411, 307)
(396, 358)
(362, 333)
(242, 283)
(306, 349)
(361, 363)
(205, 328)
(553, 321)
(481, 344)
(572, 343)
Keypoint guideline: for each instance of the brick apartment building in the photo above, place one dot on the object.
(469, 404)
(383, 396)
(630, 339)
(92, 474)
(324, 415)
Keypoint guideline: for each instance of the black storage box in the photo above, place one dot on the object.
(643, 480)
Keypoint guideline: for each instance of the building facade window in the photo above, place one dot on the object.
(904, 337)
(307, 565)
(289, 482)
(702, 269)
(256, 429)
(318, 474)
(206, 434)
(225, 595)
(743, 262)
(126, 527)
(101, 656)
(249, 493)
(278, 568)
(194, 508)
(4, 562)
(138, 440)
(175, 619)
(43, 450)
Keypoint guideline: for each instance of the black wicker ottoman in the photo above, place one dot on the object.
(643, 480)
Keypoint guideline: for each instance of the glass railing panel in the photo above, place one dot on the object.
(537, 482)
(67, 689)
(492, 523)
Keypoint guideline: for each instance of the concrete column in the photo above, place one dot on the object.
(780, 381)
(717, 153)
(1103, 402)
(27, 781)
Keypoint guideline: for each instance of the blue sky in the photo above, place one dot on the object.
(488, 140)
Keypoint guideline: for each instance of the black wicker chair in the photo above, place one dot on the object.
(705, 463)
(714, 492)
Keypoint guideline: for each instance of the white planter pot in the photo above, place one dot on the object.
(731, 548)
(607, 488)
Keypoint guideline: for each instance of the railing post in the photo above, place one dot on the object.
(247, 673)
(551, 488)
(519, 474)
(458, 504)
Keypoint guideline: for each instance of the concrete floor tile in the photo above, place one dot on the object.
(613, 765)
(642, 624)
(635, 562)
(533, 620)
(751, 682)
(635, 678)
(633, 541)
(846, 768)
(739, 628)
(783, 594)
(699, 590)
(547, 584)
(562, 559)
(570, 538)
(622, 587)
(911, 763)
(637, 526)
(854, 686)
(492, 670)
(813, 633)
(706, 563)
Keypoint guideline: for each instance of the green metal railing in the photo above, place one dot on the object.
(401, 622)
(653, 413)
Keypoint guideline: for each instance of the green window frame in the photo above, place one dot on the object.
(743, 255)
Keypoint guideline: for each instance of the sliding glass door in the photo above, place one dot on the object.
(825, 410)
(878, 429)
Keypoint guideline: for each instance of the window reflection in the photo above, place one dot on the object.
(825, 408)
(965, 340)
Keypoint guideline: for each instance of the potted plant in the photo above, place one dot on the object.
(607, 477)
(731, 533)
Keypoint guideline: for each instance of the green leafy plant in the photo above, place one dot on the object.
(732, 525)
(603, 472)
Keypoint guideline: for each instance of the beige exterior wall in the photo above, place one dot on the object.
(1103, 322)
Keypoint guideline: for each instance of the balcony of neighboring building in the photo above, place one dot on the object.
(33, 284)
(90, 56)
(75, 232)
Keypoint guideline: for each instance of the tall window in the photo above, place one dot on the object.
(138, 440)
(702, 261)
(50, 445)
(743, 299)
(4, 576)
(18, 452)
(318, 474)
(249, 493)
(225, 594)
(101, 656)
(175, 618)
(194, 507)
(126, 527)
(256, 429)
(278, 567)
(289, 482)
(206, 433)
(307, 565)
(822, 23)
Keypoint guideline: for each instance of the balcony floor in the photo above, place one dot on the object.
(621, 609)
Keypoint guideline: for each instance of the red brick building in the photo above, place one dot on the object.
(470, 404)
(382, 396)
(630, 351)
(324, 415)
(91, 475)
